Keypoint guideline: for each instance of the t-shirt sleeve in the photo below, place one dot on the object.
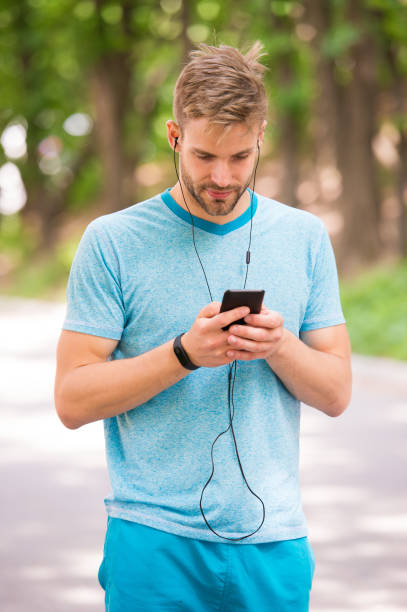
(324, 305)
(94, 297)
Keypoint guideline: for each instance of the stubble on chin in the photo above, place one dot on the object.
(219, 207)
(214, 208)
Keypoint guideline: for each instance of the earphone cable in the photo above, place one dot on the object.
(193, 227)
(232, 366)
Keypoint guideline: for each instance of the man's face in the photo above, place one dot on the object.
(216, 167)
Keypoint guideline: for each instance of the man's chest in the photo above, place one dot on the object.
(164, 292)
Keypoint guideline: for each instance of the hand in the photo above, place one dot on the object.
(206, 343)
(260, 338)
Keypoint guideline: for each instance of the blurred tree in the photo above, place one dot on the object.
(337, 84)
(37, 93)
(110, 89)
(391, 29)
(290, 99)
(347, 63)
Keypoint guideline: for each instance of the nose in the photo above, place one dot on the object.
(220, 173)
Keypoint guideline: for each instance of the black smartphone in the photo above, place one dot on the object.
(232, 298)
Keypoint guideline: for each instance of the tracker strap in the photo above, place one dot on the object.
(182, 355)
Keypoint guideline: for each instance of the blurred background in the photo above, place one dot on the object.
(85, 91)
(86, 88)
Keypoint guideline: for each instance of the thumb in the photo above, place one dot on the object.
(210, 310)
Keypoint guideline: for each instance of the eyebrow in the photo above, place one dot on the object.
(201, 152)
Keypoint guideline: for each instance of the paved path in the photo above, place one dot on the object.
(53, 481)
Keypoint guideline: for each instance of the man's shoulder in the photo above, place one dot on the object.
(126, 218)
(290, 216)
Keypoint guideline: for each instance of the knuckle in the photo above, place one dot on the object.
(200, 324)
(210, 344)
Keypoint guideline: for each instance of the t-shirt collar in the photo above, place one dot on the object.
(209, 226)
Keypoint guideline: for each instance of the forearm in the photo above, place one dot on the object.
(101, 390)
(319, 379)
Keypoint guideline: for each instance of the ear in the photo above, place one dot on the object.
(173, 132)
(260, 137)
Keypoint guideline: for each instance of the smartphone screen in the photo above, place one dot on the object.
(232, 298)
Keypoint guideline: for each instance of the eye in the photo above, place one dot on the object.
(203, 156)
(241, 157)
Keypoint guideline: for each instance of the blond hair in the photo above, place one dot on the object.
(223, 85)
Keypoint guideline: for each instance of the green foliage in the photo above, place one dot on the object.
(282, 8)
(16, 239)
(375, 308)
(338, 40)
(49, 49)
(86, 186)
(44, 277)
(208, 10)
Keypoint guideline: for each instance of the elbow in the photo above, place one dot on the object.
(335, 410)
(341, 403)
(67, 420)
(68, 423)
(65, 414)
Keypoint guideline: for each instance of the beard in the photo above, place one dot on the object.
(213, 206)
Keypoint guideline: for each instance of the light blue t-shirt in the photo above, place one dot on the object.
(136, 278)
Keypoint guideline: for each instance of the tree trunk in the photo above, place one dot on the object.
(324, 132)
(186, 22)
(109, 89)
(348, 125)
(289, 155)
(402, 191)
(287, 120)
(360, 196)
(399, 91)
(110, 97)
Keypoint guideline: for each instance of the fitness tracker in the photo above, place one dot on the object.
(182, 355)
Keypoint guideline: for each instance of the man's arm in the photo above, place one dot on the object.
(318, 374)
(316, 370)
(89, 388)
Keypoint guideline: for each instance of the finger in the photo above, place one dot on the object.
(271, 319)
(210, 310)
(249, 345)
(245, 355)
(225, 318)
(260, 334)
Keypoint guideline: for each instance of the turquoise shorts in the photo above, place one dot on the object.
(151, 570)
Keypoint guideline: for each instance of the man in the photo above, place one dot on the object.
(136, 284)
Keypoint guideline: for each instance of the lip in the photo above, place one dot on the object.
(219, 195)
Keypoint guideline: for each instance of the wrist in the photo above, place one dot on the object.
(186, 343)
(280, 349)
(183, 354)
